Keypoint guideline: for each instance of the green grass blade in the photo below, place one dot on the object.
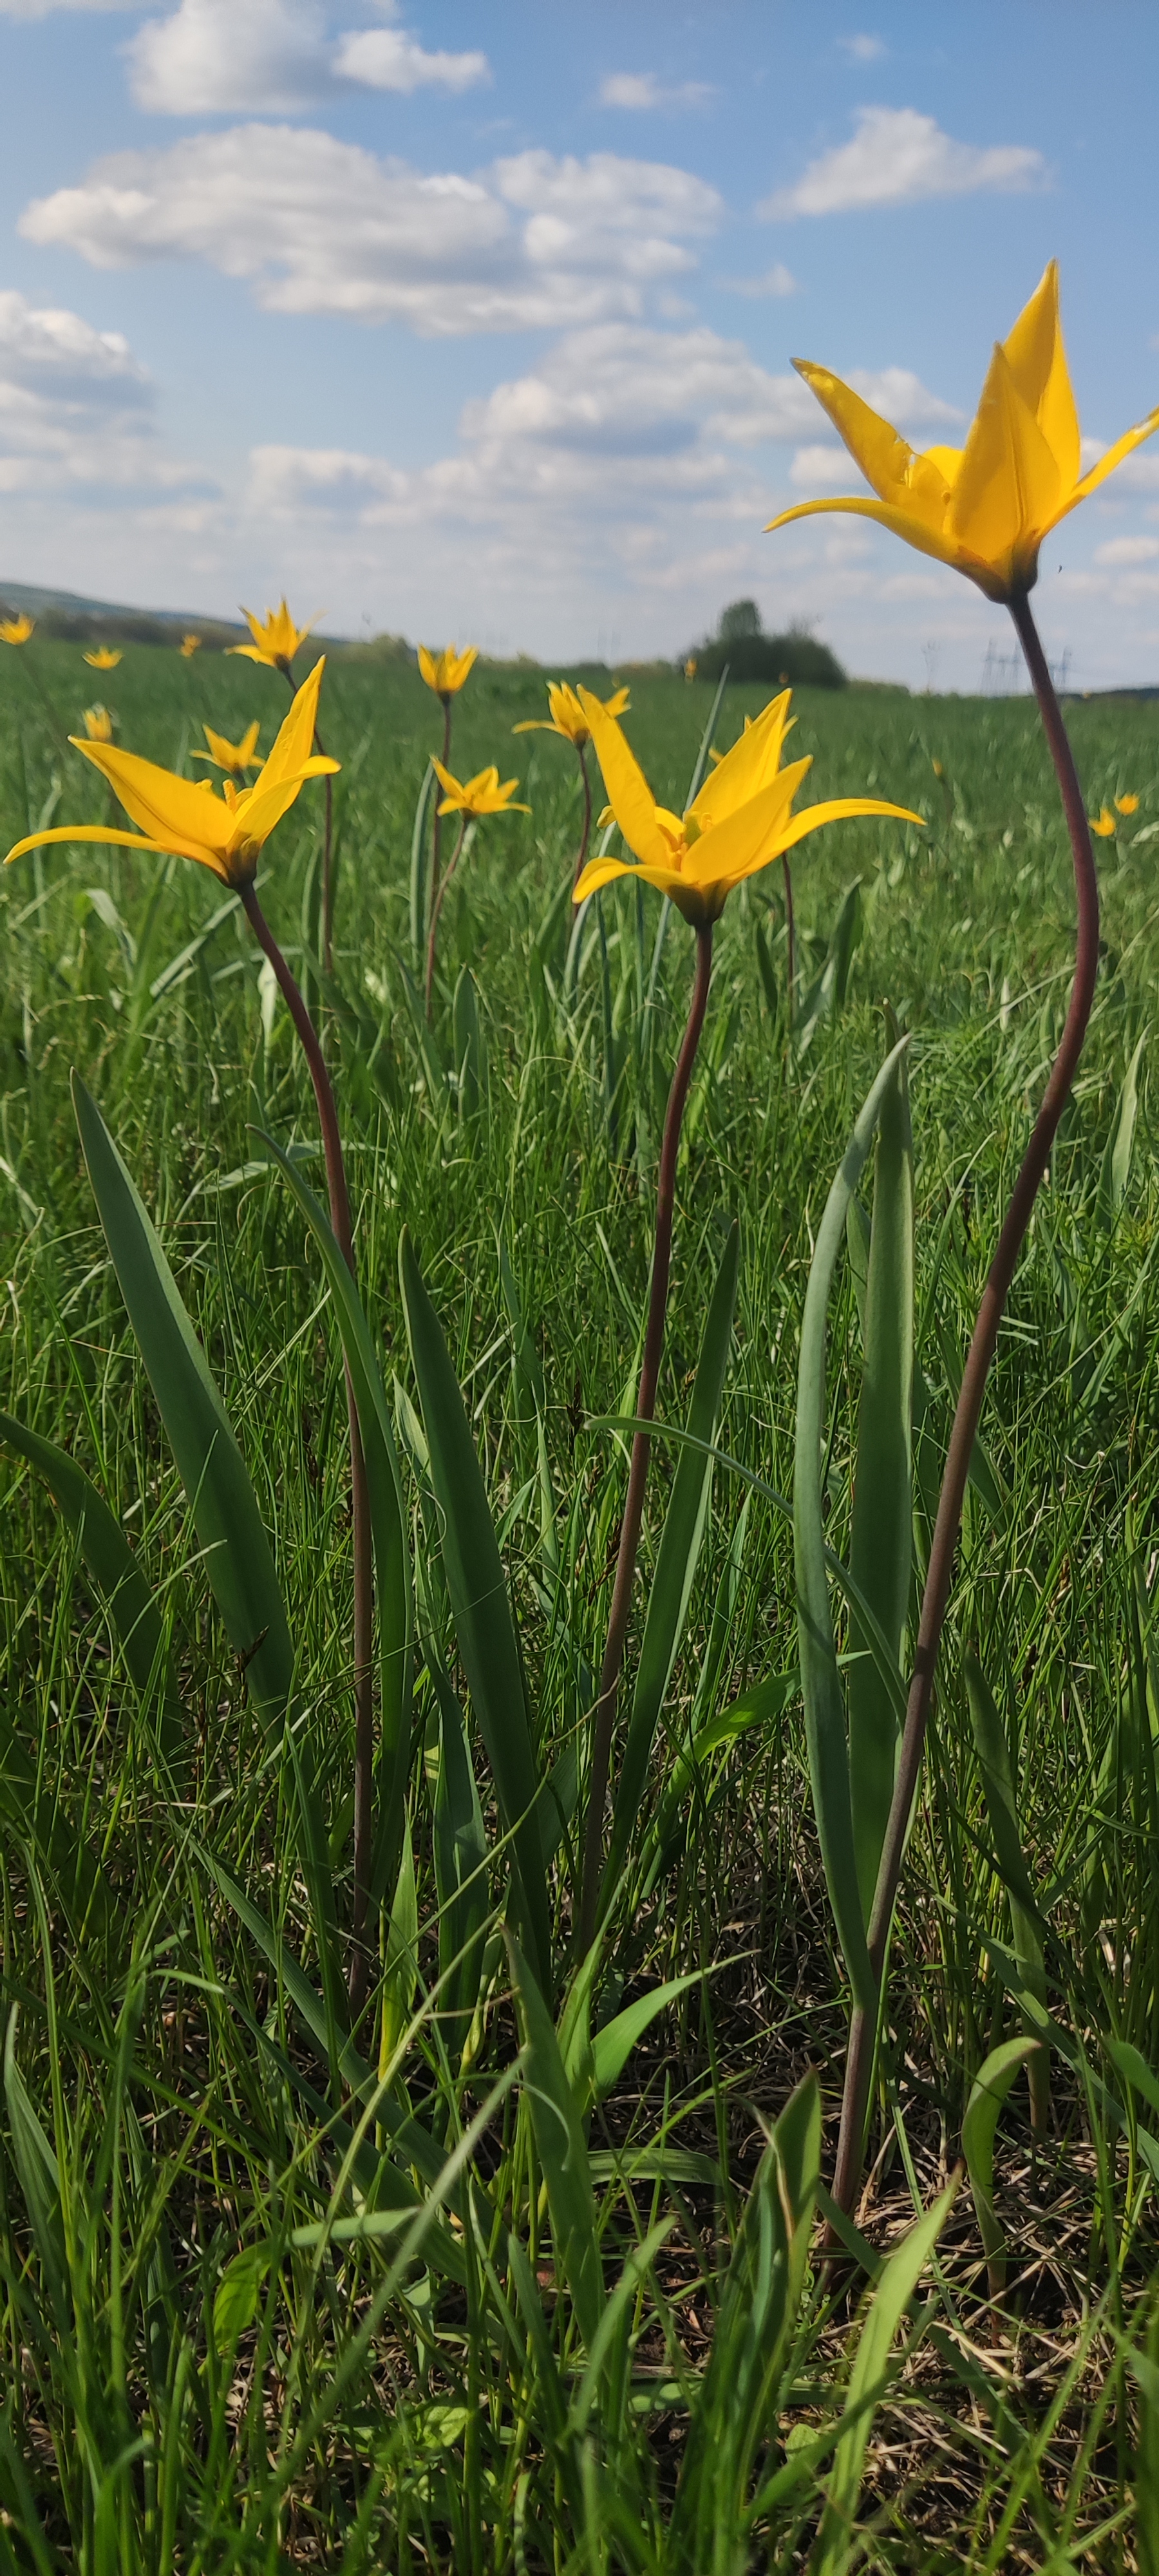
(460, 1856)
(112, 1566)
(480, 1608)
(820, 1677)
(229, 1526)
(562, 2153)
(987, 2094)
(676, 1562)
(418, 874)
(868, 2379)
(881, 1543)
(1116, 1163)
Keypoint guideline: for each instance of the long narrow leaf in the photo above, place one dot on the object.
(481, 1610)
(229, 1526)
(868, 2379)
(562, 2152)
(881, 1539)
(820, 1678)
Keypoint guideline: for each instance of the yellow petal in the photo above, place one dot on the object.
(897, 474)
(1009, 490)
(170, 810)
(294, 741)
(843, 809)
(1037, 360)
(105, 832)
(749, 766)
(1124, 446)
(250, 653)
(1127, 804)
(1103, 824)
(631, 797)
(748, 837)
(903, 523)
(600, 872)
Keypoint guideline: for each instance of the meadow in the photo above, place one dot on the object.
(466, 2276)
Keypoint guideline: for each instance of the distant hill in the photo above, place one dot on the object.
(66, 614)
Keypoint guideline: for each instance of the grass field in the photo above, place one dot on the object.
(258, 2307)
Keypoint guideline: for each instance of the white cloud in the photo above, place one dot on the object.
(901, 397)
(388, 58)
(777, 280)
(230, 57)
(1128, 550)
(321, 226)
(862, 49)
(898, 156)
(644, 90)
(823, 468)
(75, 407)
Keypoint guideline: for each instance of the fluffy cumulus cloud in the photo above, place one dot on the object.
(896, 157)
(322, 226)
(76, 409)
(231, 57)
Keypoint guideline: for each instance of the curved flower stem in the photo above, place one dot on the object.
(790, 940)
(339, 1196)
(605, 1708)
(585, 835)
(436, 908)
(863, 2033)
(436, 839)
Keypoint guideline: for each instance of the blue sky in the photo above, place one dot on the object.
(478, 321)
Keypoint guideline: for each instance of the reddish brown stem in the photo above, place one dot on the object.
(339, 1197)
(605, 1708)
(436, 909)
(585, 835)
(863, 2032)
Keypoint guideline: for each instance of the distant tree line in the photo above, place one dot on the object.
(793, 660)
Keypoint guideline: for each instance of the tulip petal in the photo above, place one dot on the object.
(1036, 356)
(105, 832)
(902, 523)
(840, 809)
(295, 739)
(749, 766)
(600, 872)
(1124, 446)
(169, 810)
(629, 793)
(897, 473)
(1008, 491)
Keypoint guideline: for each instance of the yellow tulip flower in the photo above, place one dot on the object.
(481, 794)
(233, 757)
(225, 833)
(1104, 823)
(98, 724)
(739, 822)
(567, 717)
(1127, 804)
(985, 507)
(445, 672)
(16, 630)
(690, 667)
(276, 638)
(189, 645)
(104, 659)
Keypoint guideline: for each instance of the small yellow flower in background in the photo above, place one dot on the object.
(233, 757)
(189, 645)
(739, 822)
(690, 667)
(276, 638)
(1127, 804)
(225, 833)
(985, 507)
(445, 672)
(16, 630)
(104, 659)
(567, 717)
(98, 724)
(1104, 823)
(480, 795)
